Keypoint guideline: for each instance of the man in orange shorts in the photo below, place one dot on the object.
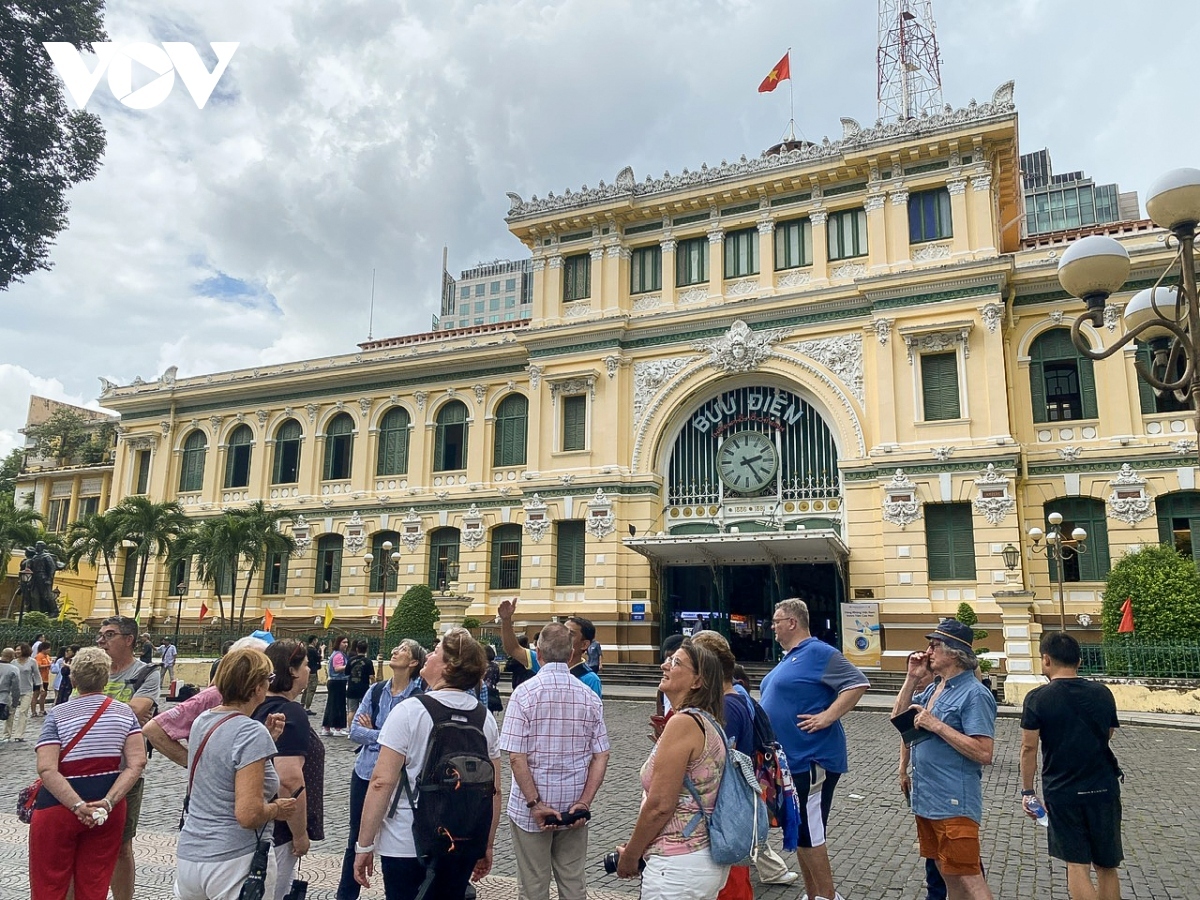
(957, 716)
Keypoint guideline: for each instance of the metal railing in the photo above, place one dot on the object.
(1137, 659)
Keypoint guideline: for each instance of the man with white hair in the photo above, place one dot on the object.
(167, 731)
(959, 714)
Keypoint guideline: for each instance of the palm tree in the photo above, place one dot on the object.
(153, 529)
(211, 544)
(261, 538)
(19, 525)
(96, 537)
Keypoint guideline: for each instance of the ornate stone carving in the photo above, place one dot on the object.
(600, 521)
(899, 196)
(715, 236)
(567, 479)
(643, 302)
(900, 504)
(537, 522)
(339, 405)
(1128, 501)
(480, 393)
(793, 279)
(857, 141)
(991, 313)
(289, 412)
(364, 405)
(1070, 454)
(849, 270)
(693, 295)
(421, 397)
(981, 182)
(740, 349)
(539, 264)
(165, 426)
(1056, 317)
(742, 288)
(535, 376)
(569, 386)
(943, 454)
(302, 534)
(577, 310)
(472, 534)
(167, 379)
(1112, 315)
(874, 202)
(766, 227)
(937, 342)
(930, 252)
(556, 262)
(818, 216)
(611, 363)
(882, 329)
(842, 355)
(956, 186)
(356, 535)
(649, 378)
(411, 532)
(993, 501)
(1184, 447)
(214, 422)
(311, 410)
(144, 441)
(106, 386)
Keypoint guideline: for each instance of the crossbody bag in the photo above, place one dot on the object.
(27, 798)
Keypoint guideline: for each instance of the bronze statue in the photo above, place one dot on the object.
(40, 587)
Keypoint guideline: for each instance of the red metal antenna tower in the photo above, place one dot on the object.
(910, 77)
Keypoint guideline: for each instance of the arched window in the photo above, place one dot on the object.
(450, 440)
(1061, 380)
(339, 447)
(512, 426)
(506, 558)
(191, 472)
(393, 443)
(287, 453)
(1151, 400)
(329, 564)
(443, 558)
(1090, 515)
(1179, 521)
(384, 572)
(237, 457)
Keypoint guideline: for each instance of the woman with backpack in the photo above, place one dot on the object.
(360, 675)
(673, 857)
(334, 721)
(415, 743)
(384, 696)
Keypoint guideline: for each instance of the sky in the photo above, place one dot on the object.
(351, 136)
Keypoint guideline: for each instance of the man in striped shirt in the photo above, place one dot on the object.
(558, 749)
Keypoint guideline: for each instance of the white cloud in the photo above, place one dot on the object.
(16, 387)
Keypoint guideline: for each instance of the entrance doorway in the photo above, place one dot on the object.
(738, 601)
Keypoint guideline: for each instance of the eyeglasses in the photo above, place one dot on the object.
(109, 635)
(784, 619)
(270, 678)
(935, 644)
(677, 661)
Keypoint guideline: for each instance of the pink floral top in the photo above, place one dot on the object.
(705, 771)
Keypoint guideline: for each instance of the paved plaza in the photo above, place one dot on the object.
(872, 835)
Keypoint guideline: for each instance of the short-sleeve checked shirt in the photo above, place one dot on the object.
(558, 722)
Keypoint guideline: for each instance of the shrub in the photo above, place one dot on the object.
(1165, 588)
(415, 617)
(471, 623)
(967, 616)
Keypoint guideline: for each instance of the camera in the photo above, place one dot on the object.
(570, 818)
(611, 860)
(254, 887)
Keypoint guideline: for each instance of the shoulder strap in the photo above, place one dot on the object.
(376, 699)
(701, 815)
(105, 704)
(200, 751)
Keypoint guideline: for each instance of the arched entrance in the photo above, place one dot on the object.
(753, 515)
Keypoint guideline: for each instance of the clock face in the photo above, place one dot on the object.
(747, 461)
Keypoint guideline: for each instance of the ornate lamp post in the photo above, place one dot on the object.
(1058, 548)
(388, 567)
(1011, 556)
(180, 590)
(1166, 317)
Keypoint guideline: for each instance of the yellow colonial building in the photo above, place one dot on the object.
(834, 370)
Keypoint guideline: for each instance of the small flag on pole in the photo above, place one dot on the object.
(203, 611)
(328, 616)
(1126, 626)
(781, 72)
(268, 620)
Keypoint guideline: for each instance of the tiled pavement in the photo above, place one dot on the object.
(872, 835)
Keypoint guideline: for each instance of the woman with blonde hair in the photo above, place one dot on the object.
(232, 784)
(89, 755)
(677, 860)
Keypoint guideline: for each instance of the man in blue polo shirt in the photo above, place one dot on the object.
(805, 697)
(959, 714)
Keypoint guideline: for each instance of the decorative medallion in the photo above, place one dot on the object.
(993, 501)
(740, 349)
(991, 313)
(1128, 501)
(600, 520)
(849, 270)
(537, 522)
(882, 329)
(421, 397)
(311, 410)
(302, 534)
(472, 534)
(842, 355)
(480, 393)
(900, 504)
(650, 377)
(793, 280)
(742, 288)
(930, 252)
(943, 454)
(364, 404)
(356, 537)
(1112, 315)
(1070, 454)
(695, 295)
(535, 376)
(411, 532)
(611, 363)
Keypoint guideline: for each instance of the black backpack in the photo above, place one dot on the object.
(452, 799)
(358, 672)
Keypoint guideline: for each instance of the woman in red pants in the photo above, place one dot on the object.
(79, 816)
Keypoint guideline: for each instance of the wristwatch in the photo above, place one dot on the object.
(1029, 793)
(359, 848)
(530, 804)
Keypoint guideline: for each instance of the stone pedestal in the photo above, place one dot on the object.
(452, 609)
(1021, 638)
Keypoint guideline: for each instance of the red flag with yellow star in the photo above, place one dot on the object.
(781, 72)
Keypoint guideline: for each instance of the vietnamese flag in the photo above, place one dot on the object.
(1126, 626)
(203, 611)
(268, 620)
(781, 72)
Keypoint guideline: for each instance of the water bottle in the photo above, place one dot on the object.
(1035, 806)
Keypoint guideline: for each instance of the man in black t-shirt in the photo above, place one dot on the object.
(1074, 719)
(313, 649)
(360, 674)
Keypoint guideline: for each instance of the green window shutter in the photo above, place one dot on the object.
(574, 422)
(570, 553)
(1087, 387)
(512, 424)
(1037, 390)
(393, 443)
(1145, 391)
(939, 386)
(950, 541)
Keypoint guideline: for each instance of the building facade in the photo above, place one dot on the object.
(488, 294)
(1070, 200)
(836, 372)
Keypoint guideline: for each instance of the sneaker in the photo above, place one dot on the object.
(326, 732)
(309, 712)
(789, 878)
(341, 732)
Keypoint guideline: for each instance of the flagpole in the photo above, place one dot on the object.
(791, 97)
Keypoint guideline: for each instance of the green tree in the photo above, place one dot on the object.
(69, 437)
(45, 148)
(10, 468)
(153, 529)
(96, 538)
(1165, 588)
(206, 545)
(966, 615)
(262, 538)
(19, 527)
(414, 617)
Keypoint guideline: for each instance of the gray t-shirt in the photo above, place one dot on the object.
(211, 831)
(29, 674)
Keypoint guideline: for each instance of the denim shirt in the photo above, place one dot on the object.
(945, 784)
(369, 737)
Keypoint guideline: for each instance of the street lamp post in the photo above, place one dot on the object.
(1057, 549)
(180, 590)
(1166, 317)
(389, 565)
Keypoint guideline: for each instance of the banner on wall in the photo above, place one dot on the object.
(860, 635)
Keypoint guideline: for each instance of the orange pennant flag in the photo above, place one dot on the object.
(268, 620)
(781, 72)
(1126, 626)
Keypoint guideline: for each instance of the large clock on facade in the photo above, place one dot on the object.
(747, 461)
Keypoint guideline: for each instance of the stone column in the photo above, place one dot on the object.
(615, 259)
(73, 504)
(1021, 638)
(599, 275)
(983, 223)
(667, 245)
(716, 262)
(766, 255)
(897, 214)
(877, 234)
(539, 300)
(960, 244)
(820, 247)
(553, 297)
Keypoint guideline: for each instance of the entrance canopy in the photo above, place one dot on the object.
(818, 545)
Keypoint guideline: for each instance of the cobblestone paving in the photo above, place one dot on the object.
(872, 836)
